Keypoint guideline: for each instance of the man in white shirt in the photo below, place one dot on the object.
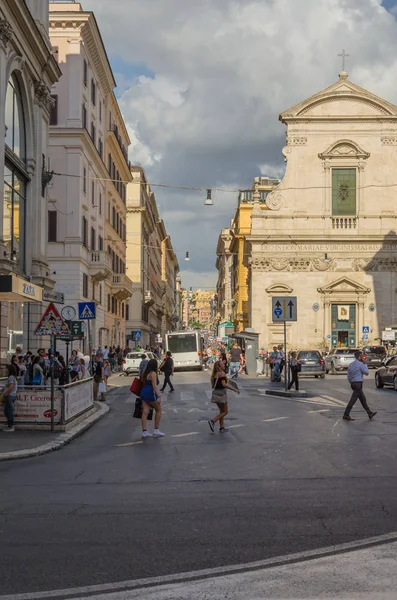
(106, 353)
(355, 374)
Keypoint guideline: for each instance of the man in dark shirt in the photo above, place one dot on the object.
(167, 366)
(234, 360)
(99, 376)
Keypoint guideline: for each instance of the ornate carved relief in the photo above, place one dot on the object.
(342, 149)
(296, 140)
(43, 94)
(5, 33)
(291, 264)
(275, 201)
(389, 140)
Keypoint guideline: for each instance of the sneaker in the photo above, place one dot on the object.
(372, 414)
(146, 434)
(158, 433)
(9, 429)
(348, 418)
(224, 430)
(212, 426)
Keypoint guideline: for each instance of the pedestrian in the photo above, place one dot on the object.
(167, 367)
(106, 370)
(205, 359)
(99, 377)
(150, 396)
(22, 370)
(295, 368)
(112, 358)
(10, 394)
(219, 396)
(120, 359)
(105, 353)
(142, 365)
(81, 371)
(266, 362)
(63, 378)
(38, 372)
(234, 360)
(355, 374)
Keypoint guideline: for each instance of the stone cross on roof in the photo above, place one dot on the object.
(343, 56)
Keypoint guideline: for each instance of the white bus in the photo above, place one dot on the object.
(186, 348)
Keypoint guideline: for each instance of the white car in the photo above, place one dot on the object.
(133, 359)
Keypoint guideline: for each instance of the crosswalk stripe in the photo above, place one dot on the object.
(336, 400)
(129, 444)
(276, 419)
(309, 412)
(178, 435)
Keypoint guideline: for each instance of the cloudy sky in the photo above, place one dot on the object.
(202, 82)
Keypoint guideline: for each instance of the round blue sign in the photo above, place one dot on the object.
(316, 306)
(278, 311)
(372, 307)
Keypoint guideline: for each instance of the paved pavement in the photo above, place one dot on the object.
(289, 477)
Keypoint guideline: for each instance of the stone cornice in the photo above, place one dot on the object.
(78, 137)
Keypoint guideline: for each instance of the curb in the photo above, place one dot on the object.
(287, 394)
(62, 439)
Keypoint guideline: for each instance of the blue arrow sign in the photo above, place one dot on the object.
(87, 310)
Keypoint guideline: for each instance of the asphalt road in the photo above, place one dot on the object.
(290, 476)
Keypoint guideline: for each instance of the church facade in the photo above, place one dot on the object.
(329, 236)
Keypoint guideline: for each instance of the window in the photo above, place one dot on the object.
(100, 204)
(145, 314)
(14, 119)
(122, 311)
(343, 192)
(54, 110)
(84, 232)
(14, 215)
(117, 222)
(127, 311)
(100, 111)
(114, 218)
(93, 238)
(93, 92)
(85, 73)
(113, 307)
(109, 211)
(52, 225)
(100, 293)
(110, 121)
(100, 147)
(93, 193)
(84, 116)
(85, 285)
(93, 132)
(84, 180)
(108, 302)
(100, 242)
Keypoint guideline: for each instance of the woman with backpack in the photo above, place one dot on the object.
(167, 367)
(295, 369)
(150, 397)
(219, 396)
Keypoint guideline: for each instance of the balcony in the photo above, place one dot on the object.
(344, 222)
(122, 287)
(100, 265)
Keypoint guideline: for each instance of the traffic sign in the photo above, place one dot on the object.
(87, 310)
(365, 328)
(284, 308)
(51, 296)
(75, 328)
(51, 323)
(365, 337)
(136, 335)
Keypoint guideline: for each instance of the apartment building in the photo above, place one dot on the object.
(88, 147)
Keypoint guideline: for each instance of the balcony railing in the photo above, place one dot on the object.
(123, 149)
(122, 286)
(344, 222)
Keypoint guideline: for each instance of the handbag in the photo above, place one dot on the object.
(136, 386)
(218, 395)
(37, 379)
(137, 414)
(102, 388)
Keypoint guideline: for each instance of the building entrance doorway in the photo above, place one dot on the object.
(343, 339)
(343, 325)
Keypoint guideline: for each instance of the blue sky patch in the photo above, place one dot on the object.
(125, 72)
(389, 5)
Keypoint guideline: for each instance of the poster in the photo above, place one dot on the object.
(343, 312)
(35, 407)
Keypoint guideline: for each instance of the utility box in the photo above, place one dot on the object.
(249, 341)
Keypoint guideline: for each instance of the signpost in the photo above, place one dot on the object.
(87, 312)
(284, 309)
(51, 323)
(51, 296)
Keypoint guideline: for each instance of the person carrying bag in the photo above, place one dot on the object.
(219, 396)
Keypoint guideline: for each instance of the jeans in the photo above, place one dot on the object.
(9, 410)
(234, 368)
(294, 379)
(167, 380)
(357, 394)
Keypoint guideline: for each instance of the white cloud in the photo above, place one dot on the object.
(223, 71)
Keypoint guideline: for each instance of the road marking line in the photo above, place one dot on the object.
(129, 444)
(276, 419)
(185, 434)
(138, 584)
(336, 400)
(234, 426)
(309, 412)
(336, 423)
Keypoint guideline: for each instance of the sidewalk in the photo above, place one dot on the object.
(26, 444)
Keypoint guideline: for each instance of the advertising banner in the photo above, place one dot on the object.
(78, 398)
(35, 407)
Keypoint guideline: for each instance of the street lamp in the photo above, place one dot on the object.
(208, 200)
(187, 257)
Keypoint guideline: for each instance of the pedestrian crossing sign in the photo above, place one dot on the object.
(87, 311)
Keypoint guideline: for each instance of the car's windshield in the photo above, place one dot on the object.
(134, 355)
(346, 350)
(308, 355)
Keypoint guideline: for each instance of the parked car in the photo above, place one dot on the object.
(339, 359)
(387, 373)
(374, 356)
(312, 363)
(133, 359)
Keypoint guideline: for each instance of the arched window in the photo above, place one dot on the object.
(15, 119)
(15, 176)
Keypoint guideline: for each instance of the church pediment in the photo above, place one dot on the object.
(344, 149)
(279, 288)
(344, 285)
(342, 99)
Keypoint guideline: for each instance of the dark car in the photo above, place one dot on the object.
(387, 374)
(374, 356)
(312, 363)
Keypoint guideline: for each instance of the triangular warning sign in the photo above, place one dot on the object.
(87, 313)
(51, 323)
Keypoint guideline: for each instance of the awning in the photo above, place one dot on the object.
(15, 289)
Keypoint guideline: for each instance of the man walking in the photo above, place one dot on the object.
(167, 366)
(234, 360)
(355, 374)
